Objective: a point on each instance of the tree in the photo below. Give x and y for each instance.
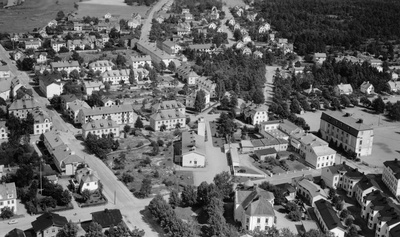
(145, 189)
(332, 193)
(95, 230)
(352, 232)
(132, 76)
(188, 196)
(305, 105)
(233, 101)
(378, 105)
(138, 123)
(322, 184)
(153, 75)
(344, 100)
(174, 199)
(127, 129)
(163, 127)
(120, 61)
(295, 106)
(225, 103)
(348, 221)
(107, 86)
(172, 66)
(6, 213)
(224, 184)
(60, 16)
(74, 74)
(85, 195)
(295, 215)
(65, 198)
(291, 206)
(344, 214)
(26, 64)
(200, 101)
(216, 220)
(258, 97)
(315, 233)
(69, 230)
(394, 111)
(127, 178)
(339, 206)
(162, 67)
(76, 57)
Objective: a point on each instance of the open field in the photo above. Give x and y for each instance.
(386, 134)
(98, 8)
(232, 3)
(32, 14)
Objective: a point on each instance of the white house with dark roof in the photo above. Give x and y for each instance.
(343, 89)
(51, 87)
(67, 66)
(367, 88)
(363, 187)
(87, 179)
(8, 196)
(394, 86)
(391, 176)
(74, 107)
(328, 220)
(192, 152)
(255, 114)
(186, 73)
(48, 224)
(342, 176)
(350, 133)
(319, 58)
(254, 208)
(100, 127)
(42, 121)
(315, 151)
(206, 84)
(21, 108)
(101, 65)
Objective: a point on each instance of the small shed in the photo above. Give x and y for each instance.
(266, 153)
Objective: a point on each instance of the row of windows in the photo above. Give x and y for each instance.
(8, 202)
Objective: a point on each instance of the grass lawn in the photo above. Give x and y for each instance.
(217, 141)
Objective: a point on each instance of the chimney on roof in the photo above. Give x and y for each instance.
(360, 121)
(346, 115)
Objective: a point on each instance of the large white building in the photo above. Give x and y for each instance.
(363, 187)
(100, 127)
(169, 114)
(256, 114)
(87, 179)
(350, 133)
(141, 61)
(121, 114)
(8, 196)
(67, 66)
(341, 176)
(314, 150)
(193, 150)
(391, 176)
(116, 76)
(101, 65)
(327, 218)
(51, 87)
(254, 208)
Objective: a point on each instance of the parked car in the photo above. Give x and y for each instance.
(14, 221)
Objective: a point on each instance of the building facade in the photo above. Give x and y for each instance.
(100, 127)
(391, 176)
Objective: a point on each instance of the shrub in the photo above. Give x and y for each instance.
(127, 178)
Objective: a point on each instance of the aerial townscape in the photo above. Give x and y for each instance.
(185, 118)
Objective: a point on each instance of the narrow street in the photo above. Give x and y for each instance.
(147, 23)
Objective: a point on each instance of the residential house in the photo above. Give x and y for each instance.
(65, 99)
(101, 65)
(41, 57)
(53, 139)
(246, 39)
(367, 88)
(107, 218)
(263, 154)
(42, 121)
(255, 114)
(343, 89)
(107, 102)
(394, 86)
(231, 22)
(310, 191)
(257, 54)
(191, 99)
(391, 176)
(32, 43)
(140, 61)
(115, 77)
(101, 127)
(348, 132)
(8, 196)
(319, 58)
(342, 176)
(191, 152)
(67, 66)
(48, 224)
(73, 109)
(186, 73)
(246, 146)
(135, 21)
(314, 150)
(246, 51)
(264, 28)
(78, 26)
(5, 72)
(51, 87)
(168, 114)
(3, 131)
(82, 44)
(58, 44)
(212, 25)
(208, 48)
(207, 85)
(328, 220)
(16, 56)
(188, 17)
(254, 208)
(66, 160)
(271, 142)
(90, 86)
(20, 108)
(170, 47)
(87, 179)
(121, 114)
(16, 233)
(363, 187)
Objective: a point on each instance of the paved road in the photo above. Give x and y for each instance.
(269, 87)
(228, 15)
(145, 31)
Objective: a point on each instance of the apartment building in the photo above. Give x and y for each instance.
(206, 84)
(116, 76)
(310, 191)
(208, 48)
(42, 121)
(8, 196)
(67, 66)
(365, 186)
(341, 176)
(192, 152)
(121, 114)
(328, 220)
(48, 224)
(140, 61)
(156, 54)
(58, 44)
(186, 73)
(350, 133)
(170, 47)
(170, 114)
(20, 108)
(51, 87)
(314, 150)
(282, 129)
(391, 176)
(100, 127)
(101, 65)
(255, 114)
(74, 107)
(90, 86)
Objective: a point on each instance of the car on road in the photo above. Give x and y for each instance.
(14, 221)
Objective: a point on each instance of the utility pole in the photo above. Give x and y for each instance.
(115, 197)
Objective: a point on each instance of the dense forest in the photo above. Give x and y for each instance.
(232, 70)
(314, 24)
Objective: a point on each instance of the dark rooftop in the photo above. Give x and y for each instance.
(328, 215)
(47, 220)
(107, 217)
(394, 165)
(345, 122)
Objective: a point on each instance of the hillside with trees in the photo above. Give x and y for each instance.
(314, 24)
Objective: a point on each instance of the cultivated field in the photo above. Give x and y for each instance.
(98, 8)
(32, 14)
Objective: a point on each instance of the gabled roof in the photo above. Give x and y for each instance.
(23, 104)
(167, 115)
(318, 55)
(68, 98)
(47, 220)
(64, 154)
(267, 151)
(115, 73)
(345, 88)
(365, 85)
(394, 85)
(7, 189)
(260, 207)
(16, 233)
(100, 124)
(328, 215)
(312, 188)
(64, 64)
(167, 105)
(93, 84)
(107, 217)
(86, 175)
(367, 182)
(106, 110)
(192, 142)
(101, 63)
(394, 165)
(40, 116)
(140, 58)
